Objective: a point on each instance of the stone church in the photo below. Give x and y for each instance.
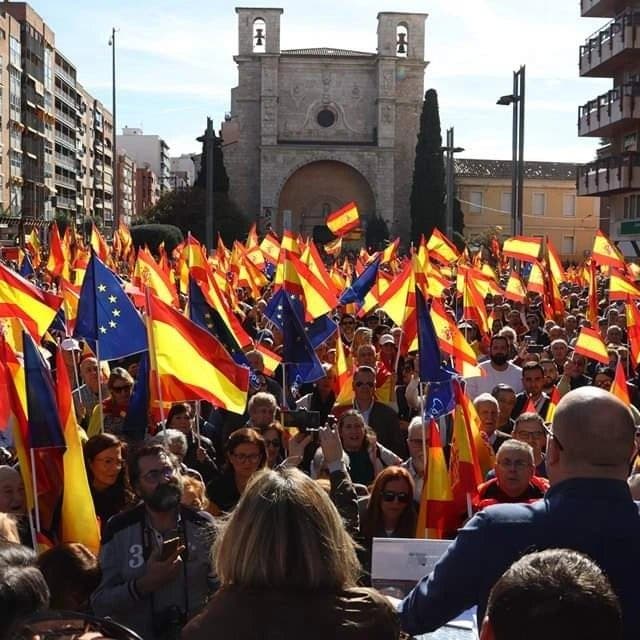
(311, 129)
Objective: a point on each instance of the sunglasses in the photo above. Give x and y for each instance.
(402, 497)
(364, 384)
(126, 387)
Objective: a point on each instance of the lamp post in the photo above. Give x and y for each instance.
(450, 149)
(114, 165)
(209, 138)
(517, 100)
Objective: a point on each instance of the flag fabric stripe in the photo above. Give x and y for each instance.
(590, 345)
(343, 220)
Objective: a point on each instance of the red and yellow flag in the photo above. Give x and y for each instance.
(633, 330)
(619, 385)
(189, 363)
(333, 248)
(522, 248)
(515, 289)
(535, 284)
(343, 220)
(590, 345)
(436, 517)
(603, 252)
(553, 403)
(440, 248)
(147, 273)
(620, 288)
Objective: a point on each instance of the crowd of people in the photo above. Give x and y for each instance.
(215, 524)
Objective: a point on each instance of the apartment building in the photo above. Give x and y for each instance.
(147, 188)
(613, 51)
(53, 136)
(126, 180)
(183, 171)
(549, 202)
(149, 150)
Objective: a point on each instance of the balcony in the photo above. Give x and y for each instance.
(69, 120)
(611, 175)
(615, 45)
(68, 162)
(65, 203)
(68, 78)
(70, 183)
(66, 140)
(601, 8)
(611, 112)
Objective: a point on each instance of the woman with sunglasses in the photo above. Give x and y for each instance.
(114, 409)
(245, 453)
(274, 439)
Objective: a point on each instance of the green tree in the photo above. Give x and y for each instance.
(185, 208)
(377, 235)
(428, 189)
(152, 235)
(458, 217)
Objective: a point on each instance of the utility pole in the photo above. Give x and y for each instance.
(114, 164)
(209, 138)
(450, 149)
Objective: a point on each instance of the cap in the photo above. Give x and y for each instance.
(69, 344)
(386, 338)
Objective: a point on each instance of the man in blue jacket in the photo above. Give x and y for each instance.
(588, 508)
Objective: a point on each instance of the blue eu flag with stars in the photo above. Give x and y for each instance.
(107, 319)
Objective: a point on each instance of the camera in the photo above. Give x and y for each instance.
(168, 623)
(303, 419)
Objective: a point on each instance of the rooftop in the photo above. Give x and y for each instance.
(471, 168)
(326, 51)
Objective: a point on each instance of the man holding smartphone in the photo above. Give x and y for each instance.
(155, 558)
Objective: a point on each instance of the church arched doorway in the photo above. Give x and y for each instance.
(318, 188)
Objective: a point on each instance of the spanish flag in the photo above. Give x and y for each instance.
(78, 516)
(440, 248)
(620, 288)
(147, 273)
(522, 248)
(333, 248)
(20, 299)
(590, 345)
(619, 385)
(189, 363)
(603, 252)
(536, 279)
(515, 289)
(436, 517)
(633, 330)
(551, 409)
(343, 220)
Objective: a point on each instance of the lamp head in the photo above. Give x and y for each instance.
(506, 100)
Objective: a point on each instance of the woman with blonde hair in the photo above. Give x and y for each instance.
(287, 565)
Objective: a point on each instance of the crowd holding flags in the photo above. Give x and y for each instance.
(180, 313)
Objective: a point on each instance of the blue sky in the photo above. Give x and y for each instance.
(175, 62)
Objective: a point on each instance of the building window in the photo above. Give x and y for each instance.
(505, 202)
(631, 207)
(569, 205)
(15, 53)
(568, 248)
(476, 200)
(539, 204)
(326, 118)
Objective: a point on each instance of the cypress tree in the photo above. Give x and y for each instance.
(428, 189)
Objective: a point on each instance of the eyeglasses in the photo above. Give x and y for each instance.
(246, 457)
(155, 475)
(126, 387)
(347, 323)
(519, 465)
(402, 497)
(552, 436)
(272, 443)
(529, 435)
(364, 384)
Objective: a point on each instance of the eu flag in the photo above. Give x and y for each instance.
(107, 319)
(362, 285)
(26, 268)
(44, 426)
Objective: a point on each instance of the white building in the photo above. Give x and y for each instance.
(147, 149)
(183, 166)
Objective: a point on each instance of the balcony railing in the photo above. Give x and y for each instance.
(66, 140)
(609, 175)
(68, 162)
(65, 203)
(600, 8)
(69, 79)
(69, 120)
(610, 112)
(617, 43)
(67, 182)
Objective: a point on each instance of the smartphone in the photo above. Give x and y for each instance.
(169, 547)
(535, 348)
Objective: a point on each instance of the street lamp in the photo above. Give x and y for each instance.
(114, 164)
(517, 99)
(450, 149)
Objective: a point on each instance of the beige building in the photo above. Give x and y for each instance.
(549, 200)
(311, 129)
(613, 51)
(147, 189)
(126, 177)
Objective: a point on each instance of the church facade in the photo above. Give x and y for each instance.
(312, 129)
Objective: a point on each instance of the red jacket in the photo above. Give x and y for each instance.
(490, 493)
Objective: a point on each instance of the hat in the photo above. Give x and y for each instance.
(69, 344)
(386, 338)
(465, 325)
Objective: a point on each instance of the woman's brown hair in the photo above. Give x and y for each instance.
(373, 524)
(246, 436)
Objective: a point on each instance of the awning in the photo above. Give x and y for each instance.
(629, 248)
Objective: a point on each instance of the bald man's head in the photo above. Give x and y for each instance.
(595, 434)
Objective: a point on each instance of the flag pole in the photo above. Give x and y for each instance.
(152, 350)
(421, 396)
(99, 387)
(36, 506)
(198, 413)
